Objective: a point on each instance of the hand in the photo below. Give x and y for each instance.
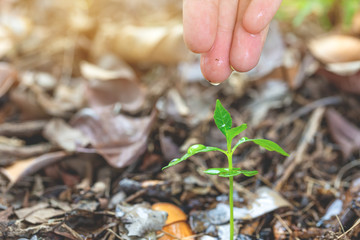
(227, 33)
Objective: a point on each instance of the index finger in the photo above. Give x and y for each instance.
(200, 19)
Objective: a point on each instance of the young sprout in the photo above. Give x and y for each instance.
(223, 122)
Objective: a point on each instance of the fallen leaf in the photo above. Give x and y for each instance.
(7, 77)
(58, 132)
(159, 44)
(344, 133)
(5, 214)
(38, 214)
(118, 138)
(107, 87)
(26, 167)
(64, 101)
(26, 102)
(347, 83)
(6, 41)
(23, 212)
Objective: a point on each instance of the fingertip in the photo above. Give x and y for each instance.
(246, 49)
(215, 70)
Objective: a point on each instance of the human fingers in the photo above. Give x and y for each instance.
(259, 14)
(200, 19)
(215, 64)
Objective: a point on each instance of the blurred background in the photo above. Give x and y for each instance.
(94, 93)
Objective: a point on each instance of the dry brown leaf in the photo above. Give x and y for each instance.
(58, 132)
(118, 138)
(26, 102)
(108, 87)
(6, 42)
(39, 213)
(7, 77)
(65, 100)
(344, 133)
(341, 56)
(26, 167)
(157, 44)
(34, 100)
(335, 48)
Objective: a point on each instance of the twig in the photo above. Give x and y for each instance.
(340, 223)
(307, 136)
(277, 216)
(311, 106)
(22, 129)
(72, 232)
(343, 170)
(114, 233)
(135, 195)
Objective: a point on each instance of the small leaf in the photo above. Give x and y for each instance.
(194, 149)
(213, 171)
(249, 173)
(230, 173)
(222, 118)
(269, 145)
(233, 132)
(226, 172)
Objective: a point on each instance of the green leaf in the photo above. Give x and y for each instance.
(222, 118)
(269, 145)
(233, 132)
(213, 171)
(194, 149)
(230, 173)
(226, 172)
(249, 173)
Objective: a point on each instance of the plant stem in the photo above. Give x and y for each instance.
(231, 191)
(231, 208)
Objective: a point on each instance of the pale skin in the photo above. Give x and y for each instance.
(227, 33)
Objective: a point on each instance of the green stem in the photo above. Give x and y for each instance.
(231, 191)
(231, 208)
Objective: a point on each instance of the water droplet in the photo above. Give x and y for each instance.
(195, 148)
(215, 83)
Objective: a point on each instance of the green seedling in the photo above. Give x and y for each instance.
(223, 121)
